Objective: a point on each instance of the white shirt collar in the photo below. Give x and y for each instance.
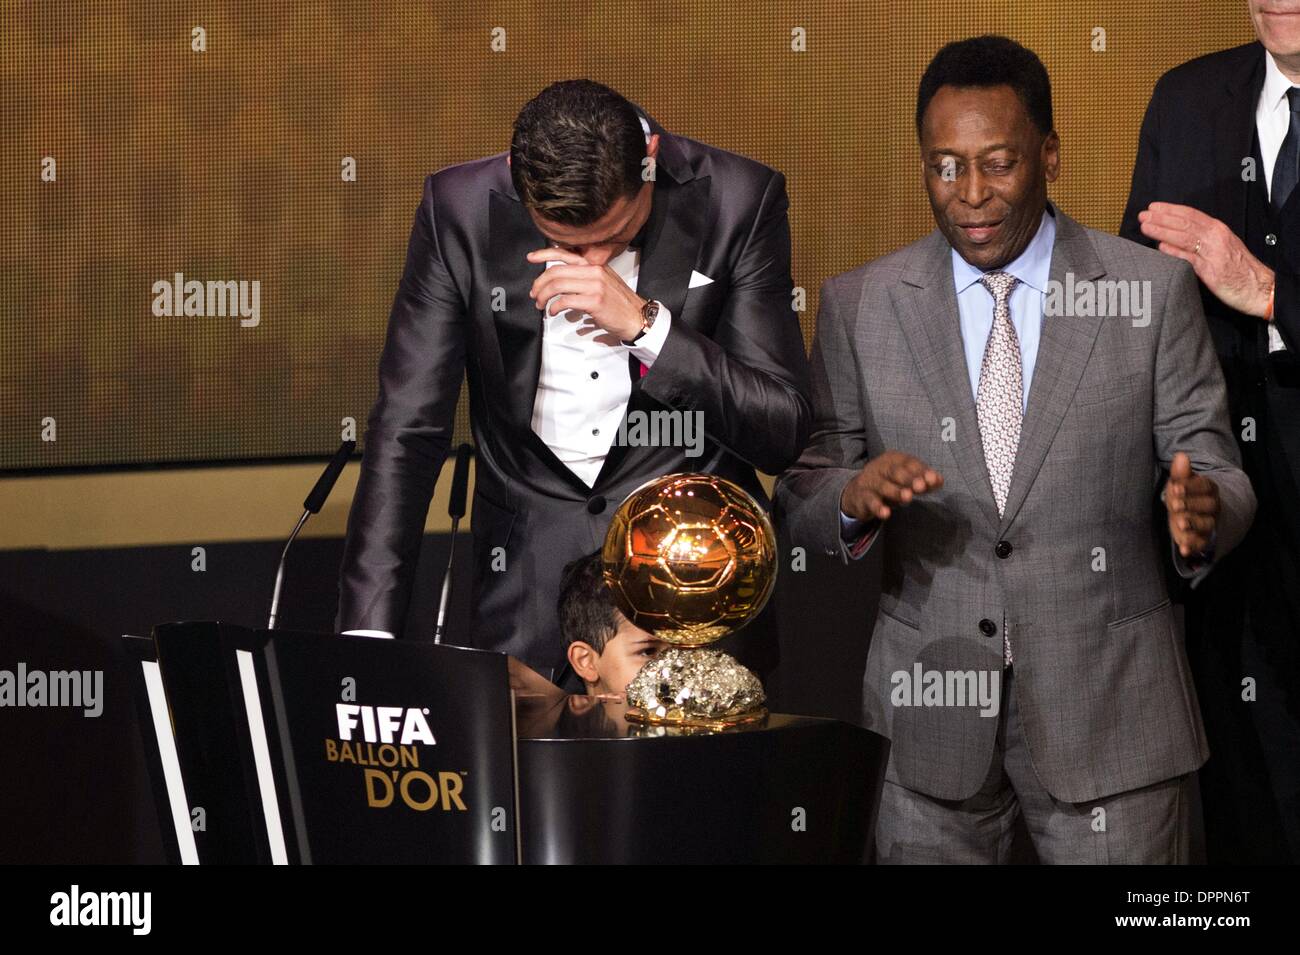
(1276, 84)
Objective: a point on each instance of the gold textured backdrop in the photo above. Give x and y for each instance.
(225, 165)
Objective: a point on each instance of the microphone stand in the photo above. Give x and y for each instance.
(455, 510)
(312, 505)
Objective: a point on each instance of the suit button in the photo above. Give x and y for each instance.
(596, 505)
(1270, 239)
(1003, 549)
(988, 627)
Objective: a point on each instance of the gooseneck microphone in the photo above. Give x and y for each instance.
(455, 510)
(312, 505)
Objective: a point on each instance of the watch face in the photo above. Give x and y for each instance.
(650, 313)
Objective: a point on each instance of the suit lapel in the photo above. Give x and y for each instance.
(1064, 347)
(675, 226)
(672, 244)
(933, 331)
(669, 253)
(512, 235)
(1234, 139)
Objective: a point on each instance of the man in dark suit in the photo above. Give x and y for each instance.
(620, 301)
(1214, 184)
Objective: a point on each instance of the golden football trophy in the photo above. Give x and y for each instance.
(691, 558)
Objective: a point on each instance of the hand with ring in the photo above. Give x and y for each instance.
(1219, 257)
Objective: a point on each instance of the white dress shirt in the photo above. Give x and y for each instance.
(1272, 119)
(584, 382)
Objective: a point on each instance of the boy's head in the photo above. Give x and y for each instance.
(605, 648)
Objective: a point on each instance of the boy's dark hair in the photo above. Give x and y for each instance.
(586, 607)
(990, 61)
(577, 146)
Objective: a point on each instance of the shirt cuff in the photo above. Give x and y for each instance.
(857, 534)
(1192, 566)
(648, 346)
(1275, 342)
(383, 634)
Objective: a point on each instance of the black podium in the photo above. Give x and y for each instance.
(305, 747)
(595, 788)
(298, 747)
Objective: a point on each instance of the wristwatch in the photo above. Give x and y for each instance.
(649, 312)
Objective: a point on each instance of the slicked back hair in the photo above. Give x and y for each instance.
(577, 147)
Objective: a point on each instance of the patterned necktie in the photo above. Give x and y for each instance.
(1286, 169)
(999, 400)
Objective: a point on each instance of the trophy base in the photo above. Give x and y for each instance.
(718, 723)
(695, 688)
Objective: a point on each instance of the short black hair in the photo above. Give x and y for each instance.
(990, 61)
(577, 147)
(586, 605)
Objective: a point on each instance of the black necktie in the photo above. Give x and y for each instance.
(1287, 168)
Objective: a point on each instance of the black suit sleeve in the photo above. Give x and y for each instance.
(1144, 189)
(751, 378)
(408, 434)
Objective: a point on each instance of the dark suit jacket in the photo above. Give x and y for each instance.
(1198, 131)
(734, 352)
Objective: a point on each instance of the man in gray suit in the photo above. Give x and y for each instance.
(1003, 406)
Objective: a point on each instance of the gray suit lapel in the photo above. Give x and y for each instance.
(931, 325)
(1063, 351)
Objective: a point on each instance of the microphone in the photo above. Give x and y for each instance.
(323, 487)
(455, 510)
(312, 505)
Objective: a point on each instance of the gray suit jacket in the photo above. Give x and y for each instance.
(1102, 678)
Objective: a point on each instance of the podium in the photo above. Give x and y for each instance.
(296, 747)
(300, 747)
(595, 788)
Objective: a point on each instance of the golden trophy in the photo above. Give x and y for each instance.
(691, 558)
